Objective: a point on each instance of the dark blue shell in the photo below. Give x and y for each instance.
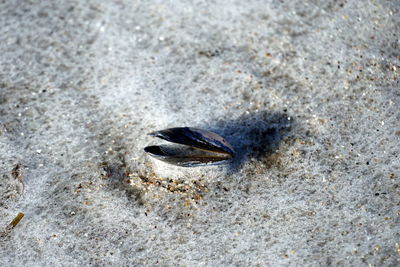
(184, 159)
(195, 138)
(196, 147)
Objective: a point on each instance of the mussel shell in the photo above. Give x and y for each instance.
(193, 147)
(194, 137)
(185, 156)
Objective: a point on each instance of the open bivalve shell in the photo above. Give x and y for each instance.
(192, 147)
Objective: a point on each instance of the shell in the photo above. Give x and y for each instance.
(192, 147)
